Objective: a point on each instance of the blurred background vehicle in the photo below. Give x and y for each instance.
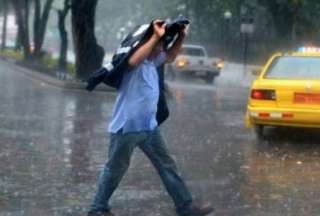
(193, 60)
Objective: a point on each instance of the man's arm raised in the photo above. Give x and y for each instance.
(175, 48)
(144, 51)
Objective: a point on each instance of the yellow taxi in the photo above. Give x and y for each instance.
(286, 92)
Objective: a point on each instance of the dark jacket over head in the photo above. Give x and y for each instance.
(112, 73)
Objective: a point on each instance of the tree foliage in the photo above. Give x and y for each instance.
(41, 16)
(277, 23)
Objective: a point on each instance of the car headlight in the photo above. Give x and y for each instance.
(181, 62)
(219, 63)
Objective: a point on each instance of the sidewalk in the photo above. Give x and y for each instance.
(42, 77)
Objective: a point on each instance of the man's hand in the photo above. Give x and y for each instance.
(144, 51)
(184, 31)
(159, 28)
(175, 48)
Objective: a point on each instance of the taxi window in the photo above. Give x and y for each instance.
(294, 67)
(192, 51)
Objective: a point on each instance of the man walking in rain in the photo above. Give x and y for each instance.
(134, 124)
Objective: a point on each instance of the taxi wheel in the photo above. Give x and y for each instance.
(258, 129)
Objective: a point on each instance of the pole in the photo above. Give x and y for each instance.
(226, 38)
(245, 53)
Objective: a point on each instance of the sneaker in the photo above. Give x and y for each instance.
(100, 214)
(200, 210)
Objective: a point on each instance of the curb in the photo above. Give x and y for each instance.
(52, 80)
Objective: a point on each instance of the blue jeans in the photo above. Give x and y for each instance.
(120, 151)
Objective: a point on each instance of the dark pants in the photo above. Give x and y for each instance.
(120, 151)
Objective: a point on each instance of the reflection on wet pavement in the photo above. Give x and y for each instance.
(283, 173)
(54, 142)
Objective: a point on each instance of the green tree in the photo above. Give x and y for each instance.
(22, 9)
(62, 14)
(5, 7)
(89, 54)
(284, 14)
(294, 20)
(307, 24)
(40, 25)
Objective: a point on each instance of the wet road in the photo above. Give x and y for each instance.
(53, 145)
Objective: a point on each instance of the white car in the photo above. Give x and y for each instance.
(193, 60)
